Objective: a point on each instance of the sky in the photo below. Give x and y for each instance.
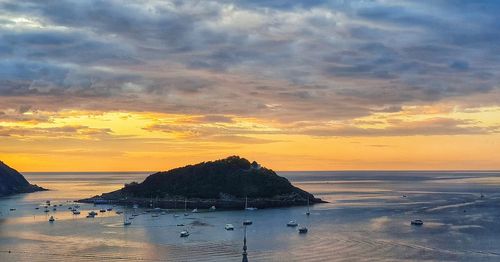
(295, 85)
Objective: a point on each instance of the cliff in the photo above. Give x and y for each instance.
(12, 182)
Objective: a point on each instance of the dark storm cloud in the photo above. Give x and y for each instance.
(250, 58)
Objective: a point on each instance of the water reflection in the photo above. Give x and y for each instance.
(367, 219)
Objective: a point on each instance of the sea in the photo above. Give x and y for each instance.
(367, 218)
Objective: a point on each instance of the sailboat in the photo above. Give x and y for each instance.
(125, 221)
(246, 205)
(308, 211)
(51, 219)
(185, 208)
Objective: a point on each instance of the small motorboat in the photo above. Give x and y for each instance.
(186, 214)
(291, 223)
(247, 222)
(118, 212)
(76, 212)
(102, 210)
(184, 233)
(175, 215)
(180, 225)
(127, 223)
(154, 215)
(229, 227)
(12, 209)
(195, 210)
(54, 209)
(51, 219)
(303, 230)
(130, 218)
(109, 209)
(212, 208)
(46, 211)
(37, 208)
(70, 208)
(92, 213)
(417, 222)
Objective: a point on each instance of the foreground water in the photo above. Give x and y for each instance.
(367, 219)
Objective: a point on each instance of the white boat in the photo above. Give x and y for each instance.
(194, 210)
(184, 233)
(154, 215)
(212, 208)
(125, 221)
(76, 212)
(229, 227)
(291, 223)
(247, 207)
(417, 222)
(308, 211)
(175, 215)
(303, 230)
(51, 219)
(247, 222)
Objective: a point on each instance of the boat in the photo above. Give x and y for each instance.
(184, 233)
(482, 196)
(417, 222)
(76, 206)
(51, 219)
(154, 215)
(308, 211)
(46, 210)
(70, 208)
(37, 208)
(212, 208)
(109, 209)
(195, 210)
(118, 212)
(76, 212)
(125, 221)
(175, 215)
(247, 207)
(180, 225)
(92, 213)
(102, 210)
(185, 208)
(54, 209)
(303, 230)
(291, 223)
(229, 227)
(12, 209)
(247, 222)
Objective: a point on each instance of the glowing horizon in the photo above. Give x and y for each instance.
(299, 86)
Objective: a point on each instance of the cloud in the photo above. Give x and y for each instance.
(428, 127)
(277, 60)
(69, 131)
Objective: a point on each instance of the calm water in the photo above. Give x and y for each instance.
(367, 219)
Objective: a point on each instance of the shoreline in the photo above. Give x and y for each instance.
(178, 203)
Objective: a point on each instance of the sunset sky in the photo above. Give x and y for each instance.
(295, 85)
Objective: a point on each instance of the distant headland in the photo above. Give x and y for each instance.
(230, 183)
(12, 182)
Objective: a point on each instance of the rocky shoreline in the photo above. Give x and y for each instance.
(191, 203)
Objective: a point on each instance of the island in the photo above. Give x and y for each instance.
(12, 182)
(230, 183)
